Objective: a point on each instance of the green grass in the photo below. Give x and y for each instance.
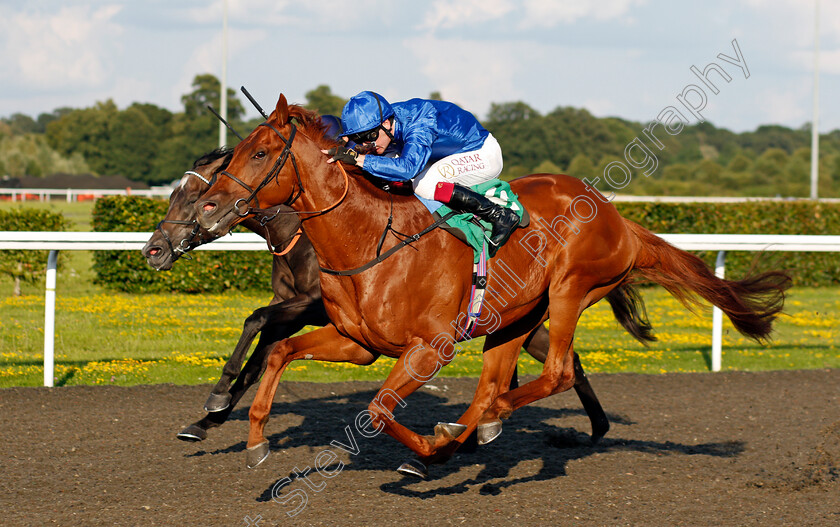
(115, 338)
(103, 337)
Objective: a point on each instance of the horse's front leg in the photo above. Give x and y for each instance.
(281, 323)
(325, 344)
(297, 311)
(250, 375)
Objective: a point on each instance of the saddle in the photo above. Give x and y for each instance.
(461, 235)
(464, 226)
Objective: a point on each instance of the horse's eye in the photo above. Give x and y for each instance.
(259, 155)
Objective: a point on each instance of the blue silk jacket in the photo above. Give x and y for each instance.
(426, 131)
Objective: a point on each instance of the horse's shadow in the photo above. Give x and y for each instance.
(555, 447)
(530, 434)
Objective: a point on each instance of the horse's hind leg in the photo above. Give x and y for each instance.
(498, 365)
(600, 423)
(537, 346)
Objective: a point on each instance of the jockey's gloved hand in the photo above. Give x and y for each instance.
(345, 155)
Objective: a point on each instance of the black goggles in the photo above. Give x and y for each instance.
(365, 137)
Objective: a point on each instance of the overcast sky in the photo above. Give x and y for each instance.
(625, 58)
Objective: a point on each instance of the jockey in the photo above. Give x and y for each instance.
(443, 150)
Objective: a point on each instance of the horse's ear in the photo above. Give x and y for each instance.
(282, 109)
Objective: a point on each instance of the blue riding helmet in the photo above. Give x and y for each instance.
(364, 112)
(333, 131)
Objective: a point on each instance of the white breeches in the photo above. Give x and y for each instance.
(466, 169)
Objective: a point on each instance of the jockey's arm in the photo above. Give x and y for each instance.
(415, 154)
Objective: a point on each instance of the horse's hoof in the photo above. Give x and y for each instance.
(450, 430)
(192, 433)
(487, 432)
(599, 431)
(257, 454)
(217, 402)
(414, 468)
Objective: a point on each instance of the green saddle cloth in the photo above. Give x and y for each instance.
(474, 230)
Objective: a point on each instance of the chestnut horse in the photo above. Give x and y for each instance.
(576, 249)
(297, 297)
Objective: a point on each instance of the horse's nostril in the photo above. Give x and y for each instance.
(154, 251)
(209, 206)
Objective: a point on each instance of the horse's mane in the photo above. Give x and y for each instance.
(211, 157)
(309, 123)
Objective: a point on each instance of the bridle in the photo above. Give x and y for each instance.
(187, 243)
(266, 215)
(285, 154)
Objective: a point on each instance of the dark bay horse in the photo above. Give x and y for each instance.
(297, 297)
(576, 249)
(294, 280)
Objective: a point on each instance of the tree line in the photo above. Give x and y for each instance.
(148, 143)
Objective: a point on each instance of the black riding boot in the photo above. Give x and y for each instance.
(504, 221)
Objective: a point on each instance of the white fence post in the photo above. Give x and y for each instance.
(717, 319)
(49, 321)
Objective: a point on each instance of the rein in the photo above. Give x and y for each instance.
(285, 155)
(380, 257)
(289, 246)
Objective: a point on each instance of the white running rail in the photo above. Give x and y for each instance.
(134, 241)
(79, 194)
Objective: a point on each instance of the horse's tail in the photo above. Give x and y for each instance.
(629, 309)
(751, 304)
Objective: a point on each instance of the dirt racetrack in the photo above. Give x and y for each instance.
(684, 449)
